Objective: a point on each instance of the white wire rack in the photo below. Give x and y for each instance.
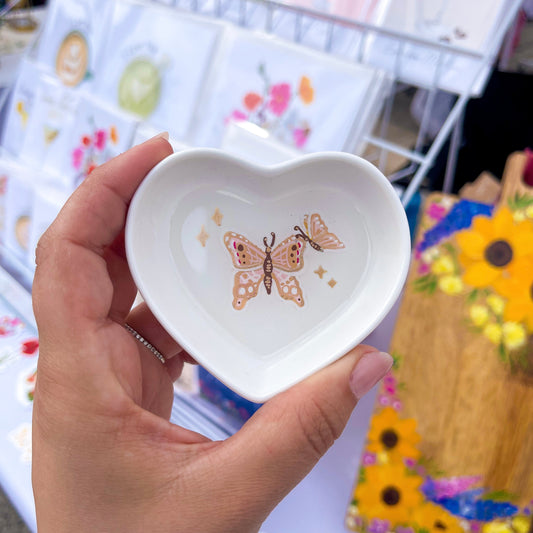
(300, 22)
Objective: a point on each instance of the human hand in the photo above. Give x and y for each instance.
(105, 456)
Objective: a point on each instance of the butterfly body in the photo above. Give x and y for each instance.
(317, 234)
(271, 266)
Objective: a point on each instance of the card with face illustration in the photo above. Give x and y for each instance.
(155, 64)
(72, 39)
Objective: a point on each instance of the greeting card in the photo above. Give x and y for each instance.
(53, 116)
(20, 106)
(470, 25)
(18, 207)
(287, 90)
(155, 64)
(72, 39)
(99, 133)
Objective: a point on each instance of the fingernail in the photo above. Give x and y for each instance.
(162, 135)
(369, 370)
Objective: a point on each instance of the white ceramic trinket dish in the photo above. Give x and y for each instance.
(266, 275)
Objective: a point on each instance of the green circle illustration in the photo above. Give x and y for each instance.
(139, 89)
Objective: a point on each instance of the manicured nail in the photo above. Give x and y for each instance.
(369, 370)
(162, 135)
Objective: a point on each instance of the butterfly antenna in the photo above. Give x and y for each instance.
(301, 234)
(273, 239)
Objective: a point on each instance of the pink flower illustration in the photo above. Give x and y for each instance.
(300, 136)
(77, 157)
(368, 459)
(389, 380)
(436, 211)
(280, 95)
(423, 268)
(100, 138)
(384, 400)
(237, 116)
(397, 405)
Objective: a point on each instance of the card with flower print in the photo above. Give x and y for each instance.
(99, 133)
(449, 446)
(72, 39)
(155, 64)
(20, 106)
(53, 116)
(287, 90)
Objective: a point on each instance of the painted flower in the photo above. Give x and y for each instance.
(113, 134)
(497, 527)
(492, 246)
(379, 526)
(493, 332)
(391, 435)
(479, 314)
(368, 459)
(529, 211)
(496, 304)
(252, 100)
(451, 284)
(514, 335)
(300, 136)
(443, 265)
(86, 140)
(100, 138)
(436, 211)
(518, 289)
(77, 157)
(388, 493)
(280, 95)
(306, 91)
(435, 519)
(521, 524)
(237, 116)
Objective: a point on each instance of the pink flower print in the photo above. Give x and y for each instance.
(436, 211)
(423, 268)
(409, 463)
(280, 94)
(397, 405)
(77, 157)
(368, 459)
(237, 116)
(390, 389)
(389, 380)
(384, 400)
(100, 139)
(300, 136)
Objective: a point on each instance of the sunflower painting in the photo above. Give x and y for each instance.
(486, 256)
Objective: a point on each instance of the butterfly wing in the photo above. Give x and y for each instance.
(319, 233)
(243, 253)
(288, 255)
(246, 286)
(288, 287)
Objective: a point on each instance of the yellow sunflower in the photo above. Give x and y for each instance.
(492, 246)
(435, 519)
(518, 289)
(388, 493)
(391, 435)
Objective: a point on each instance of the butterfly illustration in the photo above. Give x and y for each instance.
(272, 264)
(317, 234)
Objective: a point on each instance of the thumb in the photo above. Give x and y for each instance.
(282, 442)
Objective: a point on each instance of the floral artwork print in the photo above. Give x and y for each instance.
(487, 257)
(400, 491)
(275, 109)
(92, 151)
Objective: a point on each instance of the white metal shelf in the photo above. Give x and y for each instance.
(241, 13)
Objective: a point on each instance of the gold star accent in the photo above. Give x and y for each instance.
(332, 283)
(320, 272)
(203, 236)
(217, 217)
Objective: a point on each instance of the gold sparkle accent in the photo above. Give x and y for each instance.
(320, 272)
(217, 217)
(203, 236)
(332, 283)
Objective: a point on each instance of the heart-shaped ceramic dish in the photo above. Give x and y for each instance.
(266, 275)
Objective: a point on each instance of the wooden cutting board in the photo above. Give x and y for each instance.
(450, 443)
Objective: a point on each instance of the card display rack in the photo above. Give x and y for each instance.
(300, 23)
